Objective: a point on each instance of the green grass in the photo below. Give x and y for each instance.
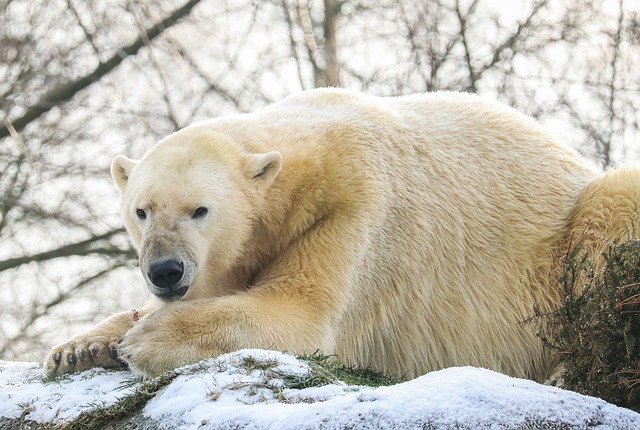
(328, 370)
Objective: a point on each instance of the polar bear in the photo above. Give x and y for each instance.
(407, 234)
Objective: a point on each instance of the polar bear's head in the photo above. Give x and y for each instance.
(188, 206)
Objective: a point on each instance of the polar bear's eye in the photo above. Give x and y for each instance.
(200, 212)
(141, 214)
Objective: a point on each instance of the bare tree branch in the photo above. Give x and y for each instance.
(463, 18)
(66, 91)
(38, 310)
(292, 42)
(511, 41)
(617, 40)
(89, 246)
(85, 30)
(211, 82)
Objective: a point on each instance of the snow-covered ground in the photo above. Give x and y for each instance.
(251, 389)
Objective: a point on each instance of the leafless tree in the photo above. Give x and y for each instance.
(83, 81)
(56, 240)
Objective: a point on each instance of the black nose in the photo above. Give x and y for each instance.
(166, 274)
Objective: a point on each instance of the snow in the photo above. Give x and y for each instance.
(252, 389)
(23, 388)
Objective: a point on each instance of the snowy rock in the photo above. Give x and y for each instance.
(256, 389)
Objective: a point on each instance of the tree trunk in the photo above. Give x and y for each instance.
(332, 68)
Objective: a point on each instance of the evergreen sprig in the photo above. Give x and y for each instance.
(596, 331)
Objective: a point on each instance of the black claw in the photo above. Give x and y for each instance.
(57, 357)
(113, 353)
(93, 350)
(120, 341)
(71, 359)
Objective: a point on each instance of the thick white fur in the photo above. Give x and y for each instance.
(407, 234)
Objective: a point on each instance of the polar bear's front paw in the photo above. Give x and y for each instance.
(82, 353)
(147, 354)
(161, 341)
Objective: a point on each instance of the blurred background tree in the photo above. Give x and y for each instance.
(83, 81)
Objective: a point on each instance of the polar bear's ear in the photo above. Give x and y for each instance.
(264, 167)
(120, 169)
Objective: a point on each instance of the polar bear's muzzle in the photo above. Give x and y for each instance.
(168, 279)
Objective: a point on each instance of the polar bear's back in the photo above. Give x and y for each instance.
(470, 201)
(458, 205)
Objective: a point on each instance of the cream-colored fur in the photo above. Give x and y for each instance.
(407, 234)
